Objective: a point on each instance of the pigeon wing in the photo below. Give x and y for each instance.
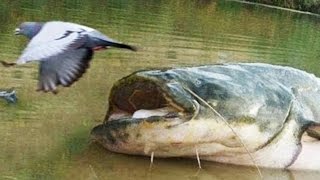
(63, 69)
(53, 39)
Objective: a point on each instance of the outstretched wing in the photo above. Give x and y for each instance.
(64, 69)
(54, 38)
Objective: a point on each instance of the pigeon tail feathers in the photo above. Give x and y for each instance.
(118, 45)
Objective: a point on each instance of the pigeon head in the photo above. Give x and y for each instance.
(29, 29)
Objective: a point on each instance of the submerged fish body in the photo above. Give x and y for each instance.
(267, 108)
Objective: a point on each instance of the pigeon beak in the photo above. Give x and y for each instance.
(17, 31)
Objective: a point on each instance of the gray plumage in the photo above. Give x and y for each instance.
(64, 50)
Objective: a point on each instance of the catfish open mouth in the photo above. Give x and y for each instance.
(139, 98)
(138, 104)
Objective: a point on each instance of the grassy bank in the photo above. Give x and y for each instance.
(302, 5)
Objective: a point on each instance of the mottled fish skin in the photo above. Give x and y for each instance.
(65, 48)
(248, 84)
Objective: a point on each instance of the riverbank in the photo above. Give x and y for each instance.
(312, 6)
(301, 5)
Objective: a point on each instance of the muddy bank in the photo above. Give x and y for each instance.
(302, 5)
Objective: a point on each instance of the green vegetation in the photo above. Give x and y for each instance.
(302, 5)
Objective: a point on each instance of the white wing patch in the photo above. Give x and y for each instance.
(53, 39)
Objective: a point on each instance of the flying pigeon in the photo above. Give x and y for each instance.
(63, 49)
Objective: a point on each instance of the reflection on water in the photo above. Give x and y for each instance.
(45, 136)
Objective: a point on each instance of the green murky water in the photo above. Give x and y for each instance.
(46, 136)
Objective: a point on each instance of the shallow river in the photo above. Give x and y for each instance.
(46, 136)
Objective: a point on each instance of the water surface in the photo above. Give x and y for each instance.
(46, 136)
